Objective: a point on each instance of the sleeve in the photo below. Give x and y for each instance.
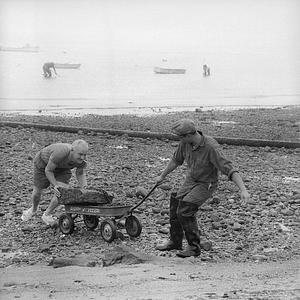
(178, 155)
(221, 163)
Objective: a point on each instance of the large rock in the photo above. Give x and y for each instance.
(124, 255)
(77, 196)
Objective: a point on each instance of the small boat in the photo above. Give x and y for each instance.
(159, 70)
(66, 66)
(26, 48)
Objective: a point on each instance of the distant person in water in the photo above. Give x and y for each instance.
(47, 69)
(206, 70)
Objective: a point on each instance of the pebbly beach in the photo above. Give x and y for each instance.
(278, 123)
(266, 229)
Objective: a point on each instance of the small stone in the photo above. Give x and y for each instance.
(237, 226)
(141, 192)
(206, 245)
(162, 222)
(129, 194)
(283, 228)
(120, 235)
(45, 248)
(27, 228)
(18, 212)
(268, 250)
(215, 200)
(216, 225)
(215, 218)
(165, 187)
(206, 208)
(286, 212)
(164, 230)
(272, 213)
(128, 167)
(164, 212)
(251, 202)
(156, 210)
(259, 257)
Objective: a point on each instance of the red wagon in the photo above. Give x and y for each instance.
(115, 217)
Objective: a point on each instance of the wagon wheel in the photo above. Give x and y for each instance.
(66, 224)
(133, 226)
(108, 230)
(90, 221)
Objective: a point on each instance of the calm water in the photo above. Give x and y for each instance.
(252, 50)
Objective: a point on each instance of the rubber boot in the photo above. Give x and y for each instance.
(176, 232)
(187, 217)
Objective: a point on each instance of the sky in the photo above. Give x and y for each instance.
(181, 24)
(252, 46)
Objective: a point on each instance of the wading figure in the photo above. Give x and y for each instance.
(203, 159)
(206, 70)
(52, 165)
(47, 69)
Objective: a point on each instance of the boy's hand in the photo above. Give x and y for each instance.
(159, 180)
(56, 191)
(245, 196)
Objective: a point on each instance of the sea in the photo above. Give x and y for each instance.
(251, 47)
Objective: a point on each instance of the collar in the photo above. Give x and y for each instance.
(202, 142)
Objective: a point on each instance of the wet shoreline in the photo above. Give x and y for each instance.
(141, 111)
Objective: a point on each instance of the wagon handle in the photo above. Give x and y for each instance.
(149, 193)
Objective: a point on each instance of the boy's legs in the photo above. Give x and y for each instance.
(187, 217)
(54, 201)
(62, 180)
(187, 210)
(176, 232)
(47, 217)
(53, 204)
(35, 197)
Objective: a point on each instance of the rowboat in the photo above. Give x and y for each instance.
(25, 48)
(159, 70)
(66, 66)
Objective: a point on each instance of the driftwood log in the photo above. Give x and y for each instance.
(86, 197)
(153, 135)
